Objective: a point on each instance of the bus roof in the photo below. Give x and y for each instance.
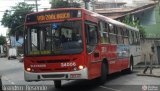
(99, 16)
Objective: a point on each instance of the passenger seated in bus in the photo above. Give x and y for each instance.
(74, 37)
(63, 39)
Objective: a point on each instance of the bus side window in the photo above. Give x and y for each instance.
(120, 35)
(104, 28)
(131, 37)
(91, 34)
(138, 38)
(112, 34)
(125, 36)
(135, 38)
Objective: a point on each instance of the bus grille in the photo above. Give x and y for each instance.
(56, 69)
(53, 76)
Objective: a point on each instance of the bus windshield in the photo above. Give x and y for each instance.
(54, 38)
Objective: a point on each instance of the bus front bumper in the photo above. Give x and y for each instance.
(80, 74)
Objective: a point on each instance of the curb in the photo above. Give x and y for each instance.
(150, 75)
(141, 66)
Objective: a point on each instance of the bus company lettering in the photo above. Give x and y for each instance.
(48, 17)
(40, 65)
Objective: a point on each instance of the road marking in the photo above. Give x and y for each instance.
(109, 88)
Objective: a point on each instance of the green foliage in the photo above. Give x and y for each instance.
(142, 31)
(2, 40)
(14, 18)
(63, 4)
(134, 23)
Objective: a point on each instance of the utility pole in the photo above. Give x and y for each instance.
(86, 4)
(93, 5)
(36, 5)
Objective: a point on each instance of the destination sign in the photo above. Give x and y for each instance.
(48, 17)
(53, 15)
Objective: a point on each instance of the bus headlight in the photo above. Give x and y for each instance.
(80, 67)
(28, 69)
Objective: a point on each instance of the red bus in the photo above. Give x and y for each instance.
(73, 44)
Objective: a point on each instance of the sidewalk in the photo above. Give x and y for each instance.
(143, 66)
(155, 72)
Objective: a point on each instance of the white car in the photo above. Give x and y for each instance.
(12, 53)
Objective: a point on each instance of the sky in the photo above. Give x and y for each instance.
(6, 4)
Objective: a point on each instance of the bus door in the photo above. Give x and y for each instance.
(93, 50)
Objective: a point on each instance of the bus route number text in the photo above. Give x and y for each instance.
(69, 64)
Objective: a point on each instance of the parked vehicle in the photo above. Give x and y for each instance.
(12, 53)
(2, 54)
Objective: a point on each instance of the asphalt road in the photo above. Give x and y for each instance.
(12, 75)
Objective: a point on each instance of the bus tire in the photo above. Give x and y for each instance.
(103, 77)
(130, 69)
(57, 83)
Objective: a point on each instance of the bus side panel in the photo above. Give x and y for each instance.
(123, 56)
(95, 62)
(135, 51)
(109, 53)
(112, 58)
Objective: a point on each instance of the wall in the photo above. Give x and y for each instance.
(146, 45)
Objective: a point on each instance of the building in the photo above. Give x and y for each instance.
(147, 11)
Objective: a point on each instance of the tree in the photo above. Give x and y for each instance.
(64, 4)
(134, 23)
(2, 40)
(14, 18)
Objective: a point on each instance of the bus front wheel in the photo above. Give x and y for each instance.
(57, 83)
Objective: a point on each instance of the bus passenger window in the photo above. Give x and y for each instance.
(104, 28)
(120, 35)
(112, 34)
(125, 36)
(130, 37)
(138, 39)
(91, 35)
